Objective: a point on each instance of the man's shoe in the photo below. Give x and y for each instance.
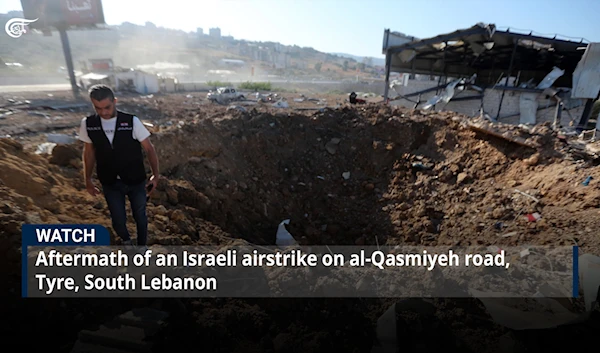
(129, 247)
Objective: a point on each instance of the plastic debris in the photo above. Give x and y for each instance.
(45, 148)
(281, 104)
(283, 237)
(587, 181)
(494, 249)
(533, 217)
(421, 166)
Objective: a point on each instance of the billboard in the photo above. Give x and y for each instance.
(56, 13)
(391, 39)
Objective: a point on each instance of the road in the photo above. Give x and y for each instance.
(35, 88)
(66, 86)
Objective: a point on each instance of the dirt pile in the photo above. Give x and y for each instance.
(350, 176)
(366, 176)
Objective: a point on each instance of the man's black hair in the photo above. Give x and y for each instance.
(101, 92)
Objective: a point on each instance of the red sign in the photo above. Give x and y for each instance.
(53, 13)
(82, 12)
(101, 64)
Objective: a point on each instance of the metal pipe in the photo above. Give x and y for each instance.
(510, 67)
(557, 115)
(388, 62)
(443, 71)
(68, 58)
(585, 116)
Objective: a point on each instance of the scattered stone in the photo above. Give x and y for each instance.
(461, 177)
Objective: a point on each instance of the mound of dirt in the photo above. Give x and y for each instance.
(349, 176)
(366, 176)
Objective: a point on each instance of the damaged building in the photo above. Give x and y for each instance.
(504, 76)
(125, 79)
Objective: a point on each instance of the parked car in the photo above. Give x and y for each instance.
(225, 94)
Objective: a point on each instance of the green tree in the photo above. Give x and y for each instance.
(345, 65)
(318, 66)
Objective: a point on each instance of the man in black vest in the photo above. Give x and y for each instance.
(113, 143)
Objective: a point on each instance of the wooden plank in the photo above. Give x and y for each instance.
(515, 139)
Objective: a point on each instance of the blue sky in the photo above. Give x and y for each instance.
(352, 26)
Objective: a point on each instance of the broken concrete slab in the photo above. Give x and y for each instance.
(548, 313)
(386, 332)
(589, 274)
(146, 318)
(395, 333)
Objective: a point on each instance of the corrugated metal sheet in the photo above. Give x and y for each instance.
(586, 78)
(391, 39)
(528, 106)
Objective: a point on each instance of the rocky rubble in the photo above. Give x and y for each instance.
(365, 176)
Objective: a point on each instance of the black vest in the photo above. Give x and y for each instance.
(124, 158)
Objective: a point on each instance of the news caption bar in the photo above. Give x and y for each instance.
(77, 261)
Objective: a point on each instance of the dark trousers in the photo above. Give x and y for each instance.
(115, 198)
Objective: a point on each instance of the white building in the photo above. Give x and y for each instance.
(139, 81)
(215, 32)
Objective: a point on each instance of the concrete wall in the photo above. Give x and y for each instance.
(167, 84)
(491, 101)
(144, 83)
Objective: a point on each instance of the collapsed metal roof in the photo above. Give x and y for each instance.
(487, 52)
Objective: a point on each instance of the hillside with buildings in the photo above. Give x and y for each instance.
(189, 56)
